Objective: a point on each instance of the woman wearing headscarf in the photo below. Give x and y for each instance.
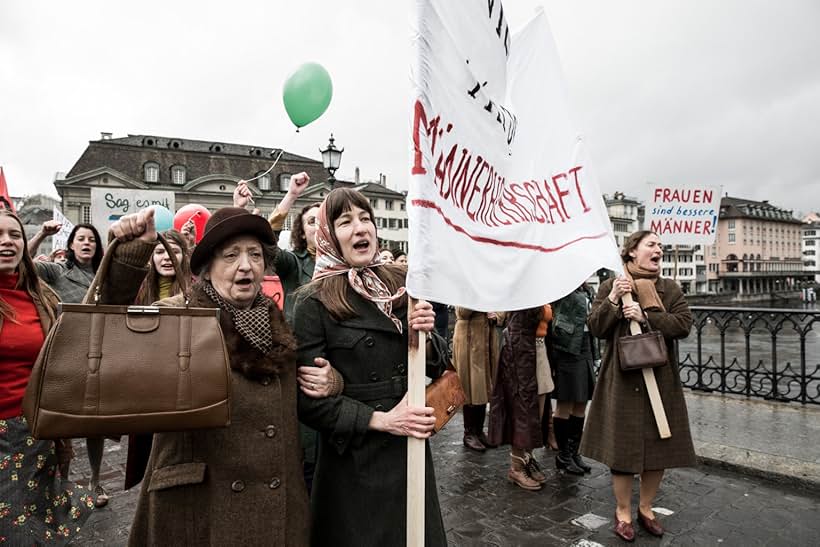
(38, 505)
(621, 430)
(354, 315)
(240, 484)
(71, 280)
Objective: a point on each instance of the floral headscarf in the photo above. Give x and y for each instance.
(330, 262)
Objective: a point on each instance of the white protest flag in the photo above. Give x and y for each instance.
(60, 240)
(505, 210)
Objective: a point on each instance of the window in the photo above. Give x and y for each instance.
(178, 174)
(391, 223)
(809, 233)
(731, 224)
(388, 204)
(264, 182)
(810, 243)
(731, 238)
(85, 214)
(809, 253)
(284, 182)
(374, 203)
(406, 224)
(151, 172)
(402, 206)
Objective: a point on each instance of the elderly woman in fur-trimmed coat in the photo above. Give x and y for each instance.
(239, 485)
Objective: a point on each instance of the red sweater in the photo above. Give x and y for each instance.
(20, 341)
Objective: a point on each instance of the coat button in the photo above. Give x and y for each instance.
(378, 407)
(340, 441)
(637, 389)
(369, 342)
(270, 431)
(374, 377)
(401, 368)
(237, 486)
(265, 381)
(274, 483)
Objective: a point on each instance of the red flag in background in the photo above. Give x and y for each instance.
(5, 198)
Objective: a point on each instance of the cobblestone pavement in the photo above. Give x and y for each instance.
(700, 506)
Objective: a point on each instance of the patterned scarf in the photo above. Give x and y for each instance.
(329, 262)
(253, 324)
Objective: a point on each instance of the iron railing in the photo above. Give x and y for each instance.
(756, 352)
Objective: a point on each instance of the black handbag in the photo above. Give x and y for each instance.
(645, 350)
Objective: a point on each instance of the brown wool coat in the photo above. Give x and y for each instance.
(239, 485)
(475, 354)
(620, 427)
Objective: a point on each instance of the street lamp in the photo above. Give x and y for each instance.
(331, 158)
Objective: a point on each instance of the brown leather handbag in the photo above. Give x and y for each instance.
(645, 350)
(446, 396)
(111, 370)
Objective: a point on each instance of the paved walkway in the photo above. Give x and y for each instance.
(708, 505)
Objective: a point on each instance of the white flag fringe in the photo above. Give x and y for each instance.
(504, 208)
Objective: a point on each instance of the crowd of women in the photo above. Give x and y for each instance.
(315, 452)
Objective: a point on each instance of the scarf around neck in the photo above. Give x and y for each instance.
(644, 282)
(330, 262)
(253, 324)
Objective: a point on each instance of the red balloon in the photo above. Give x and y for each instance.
(195, 212)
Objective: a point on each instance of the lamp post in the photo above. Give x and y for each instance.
(331, 158)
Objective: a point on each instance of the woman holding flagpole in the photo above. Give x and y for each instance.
(354, 315)
(621, 431)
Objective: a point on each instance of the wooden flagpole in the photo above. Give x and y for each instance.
(650, 383)
(416, 370)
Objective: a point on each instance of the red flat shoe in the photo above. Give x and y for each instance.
(624, 530)
(650, 525)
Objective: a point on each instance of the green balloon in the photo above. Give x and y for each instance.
(307, 93)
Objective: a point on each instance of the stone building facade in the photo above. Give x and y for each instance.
(758, 249)
(206, 173)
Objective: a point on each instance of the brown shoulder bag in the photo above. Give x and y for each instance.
(446, 396)
(111, 370)
(645, 350)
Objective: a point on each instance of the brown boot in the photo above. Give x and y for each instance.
(534, 469)
(471, 439)
(518, 474)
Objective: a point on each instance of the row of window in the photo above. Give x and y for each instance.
(683, 272)
(395, 223)
(179, 177)
(389, 204)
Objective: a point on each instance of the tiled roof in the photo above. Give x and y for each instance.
(746, 208)
(128, 155)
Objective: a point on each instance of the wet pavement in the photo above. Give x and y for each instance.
(707, 505)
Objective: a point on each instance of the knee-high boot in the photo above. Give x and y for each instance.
(576, 429)
(564, 458)
(480, 415)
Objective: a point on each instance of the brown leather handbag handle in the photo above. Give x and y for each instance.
(92, 296)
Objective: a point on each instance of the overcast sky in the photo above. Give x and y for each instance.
(724, 92)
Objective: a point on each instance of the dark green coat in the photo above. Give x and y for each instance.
(294, 268)
(359, 490)
(620, 429)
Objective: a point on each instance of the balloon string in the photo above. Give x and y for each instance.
(278, 157)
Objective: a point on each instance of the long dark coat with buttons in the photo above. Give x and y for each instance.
(239, 485)
(620, 428)
(359, 490)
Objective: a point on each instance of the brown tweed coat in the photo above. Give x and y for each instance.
(475, 354)
(621, 430)
(239, 485)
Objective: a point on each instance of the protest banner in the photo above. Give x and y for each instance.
(60, 240)
(502, 193)
(683, 214)
(504, 208)
(109, 204)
